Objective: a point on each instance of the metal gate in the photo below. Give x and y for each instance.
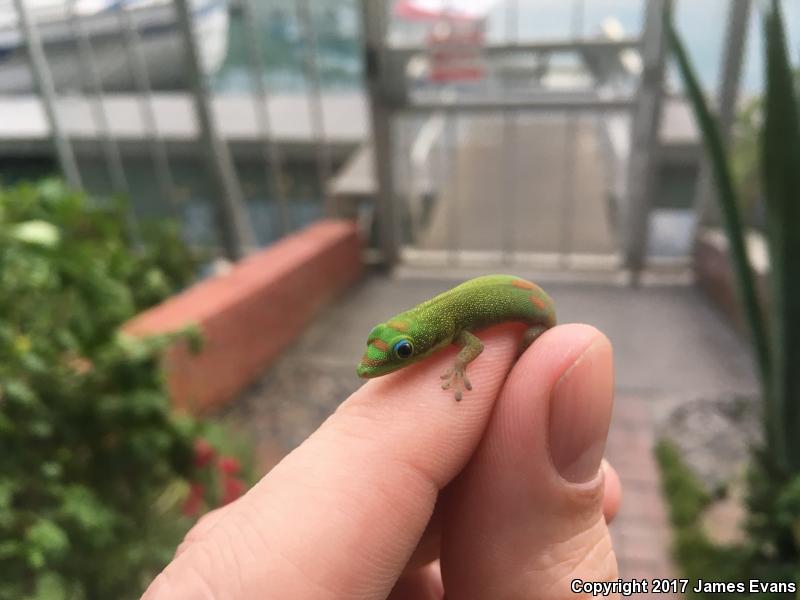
(522, 156)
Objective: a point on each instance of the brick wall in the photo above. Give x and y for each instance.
(251, 313)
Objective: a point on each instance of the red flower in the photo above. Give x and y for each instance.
(232, 488)
(229, 465)
(204, 453)
(194, 501)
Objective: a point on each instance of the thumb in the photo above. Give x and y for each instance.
(525, 518)
(341, 515)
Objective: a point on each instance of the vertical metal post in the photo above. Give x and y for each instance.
(643, 160)
(113, 158)
(578, 19)
(237, 235)
(727, 93)
(44, 81)
(510, 151)
(571, 132)
(453, 143)
(272, 154)
(315, 109)
(507, 220)
(374, 31)
(141, 78)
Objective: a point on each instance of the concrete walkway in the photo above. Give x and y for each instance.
(555, 195)
(670, 346)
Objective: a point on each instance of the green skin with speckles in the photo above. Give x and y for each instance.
(452, 318)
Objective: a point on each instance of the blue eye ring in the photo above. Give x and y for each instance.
(403, 349)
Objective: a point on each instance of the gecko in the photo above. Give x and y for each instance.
(452, 318)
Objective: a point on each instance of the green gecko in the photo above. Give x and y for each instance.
(452, 318)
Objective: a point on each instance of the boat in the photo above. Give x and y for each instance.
(122, 36)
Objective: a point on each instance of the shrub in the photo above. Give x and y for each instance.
(93, 463)
(773, 523)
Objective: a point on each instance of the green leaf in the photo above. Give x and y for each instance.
(18, 391)
(36, 558)
(7, 488)
(49, 586)
(718, 159)
(47, 537)
(37, 232)
(40, 428)
(52, 190)
(83, 507)
(52, 470)
(10, 549)
(195, 340)
(781, 172)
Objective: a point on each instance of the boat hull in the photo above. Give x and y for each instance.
(156, 35)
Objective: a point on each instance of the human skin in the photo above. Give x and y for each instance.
(405, 493)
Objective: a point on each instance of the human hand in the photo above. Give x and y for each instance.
(404, 493)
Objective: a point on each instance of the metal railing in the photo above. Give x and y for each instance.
(395, 108)
(632, 178)
(429, 143)
(233, 223)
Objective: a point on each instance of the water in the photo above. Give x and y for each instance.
(701, 23)
(193, 203)
(336, 25)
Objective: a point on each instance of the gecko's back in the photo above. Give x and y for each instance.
(454, 317)
(490, 299)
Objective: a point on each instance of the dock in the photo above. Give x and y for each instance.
(525, 184)
(537, 185)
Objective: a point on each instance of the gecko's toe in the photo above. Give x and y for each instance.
(455, 378)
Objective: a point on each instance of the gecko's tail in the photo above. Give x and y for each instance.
(530, 336)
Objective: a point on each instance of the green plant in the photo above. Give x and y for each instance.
(745, 155)
(774, 510)
(93, 462)
(697, 556)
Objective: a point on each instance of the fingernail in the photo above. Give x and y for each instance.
(580, 412)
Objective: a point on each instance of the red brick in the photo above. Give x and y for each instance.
(251, 313)
(642, 506)
(646, 570)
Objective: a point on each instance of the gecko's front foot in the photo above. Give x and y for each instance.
(456, 377)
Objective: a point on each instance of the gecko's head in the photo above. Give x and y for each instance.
(389, 347)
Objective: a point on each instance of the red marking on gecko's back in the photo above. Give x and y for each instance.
(538, 303)
(398, 325)
(380, 345)
(522, 284)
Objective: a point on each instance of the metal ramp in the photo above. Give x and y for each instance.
(509, 195)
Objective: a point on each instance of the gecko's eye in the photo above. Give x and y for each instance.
(403, 349)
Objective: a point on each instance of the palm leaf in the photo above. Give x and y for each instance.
(781, 184)
(723, 178)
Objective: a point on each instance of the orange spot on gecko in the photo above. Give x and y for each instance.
(538, 303)
(398, 325)
(380, 345)
(522, 284)
(371, 362)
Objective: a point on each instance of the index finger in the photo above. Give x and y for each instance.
(341, 515)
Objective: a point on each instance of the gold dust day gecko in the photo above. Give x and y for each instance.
(452, 318)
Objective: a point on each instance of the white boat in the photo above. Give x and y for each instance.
(112, 27)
